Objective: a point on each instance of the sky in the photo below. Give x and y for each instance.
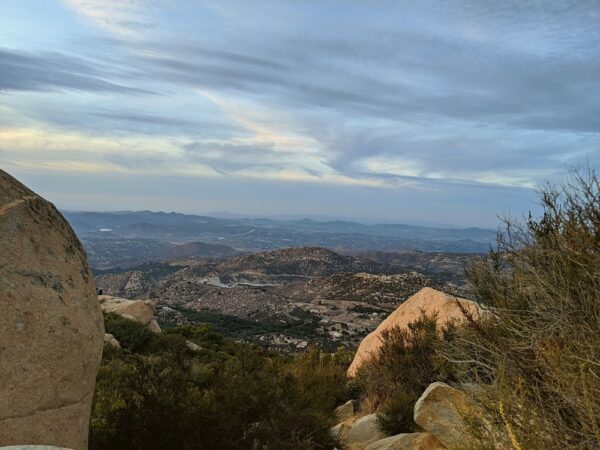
(447, 112)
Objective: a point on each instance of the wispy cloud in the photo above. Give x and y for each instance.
(402, 96)
(122, 18)
(52, 71)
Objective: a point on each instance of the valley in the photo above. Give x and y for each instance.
(281, 284)
(285, 299)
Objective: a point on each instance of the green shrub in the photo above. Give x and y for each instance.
(157, 394)
(131, 335)
(406, 363)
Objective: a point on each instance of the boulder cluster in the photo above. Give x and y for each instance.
(440, 412)
(441, 409)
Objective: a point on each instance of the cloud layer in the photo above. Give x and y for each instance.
(397, 96)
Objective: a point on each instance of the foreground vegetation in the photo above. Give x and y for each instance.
(539, 355)
(157, 393)
(535, 357)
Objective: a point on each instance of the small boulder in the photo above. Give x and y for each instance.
(345, 411)
(408, 441)
(340, 431)
(193, 346)
(363, 432)
(141, 311)
(111, 340)
(441, 411)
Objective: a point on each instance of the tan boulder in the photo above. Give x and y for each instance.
(340, 431)
(427, 300)
(408, 441)
(442, 411)
(357, 433)
(345, 411)
(111, 340)
(141, 311)
(51, 328)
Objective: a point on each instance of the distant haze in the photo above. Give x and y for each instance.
(445, 112)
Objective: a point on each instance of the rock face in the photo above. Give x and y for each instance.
(141, 311)
(428, 300)
(51, 328)
(441, 410)
(408, 441)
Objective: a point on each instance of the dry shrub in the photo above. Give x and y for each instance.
(540, 353)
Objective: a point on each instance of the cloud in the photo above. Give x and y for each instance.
(123, 18)
(53, 71)
(405, 94)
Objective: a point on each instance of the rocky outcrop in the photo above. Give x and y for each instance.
(357, 433)
(51, 328)
(442, 411)
(427, 300)
(408, 441)
(141, 311)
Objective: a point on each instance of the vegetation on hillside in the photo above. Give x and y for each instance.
(157, 393)
(539, 355)
(535, 358)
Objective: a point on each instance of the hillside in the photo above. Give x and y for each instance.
(281, 299)
(301, 261)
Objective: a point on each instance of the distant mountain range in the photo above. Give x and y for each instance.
(137, 236)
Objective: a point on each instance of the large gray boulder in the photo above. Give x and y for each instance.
(51, 327)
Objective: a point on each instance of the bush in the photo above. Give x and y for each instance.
(540, 353)
(156, 394)
(131, 335)
(406, 363)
